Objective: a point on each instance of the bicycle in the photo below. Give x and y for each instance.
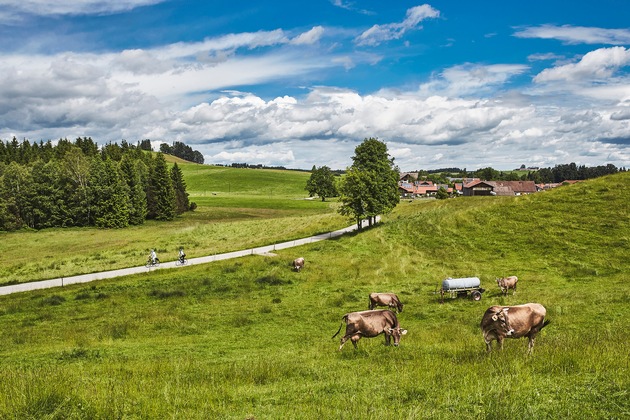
(150, 263)
(181, 261)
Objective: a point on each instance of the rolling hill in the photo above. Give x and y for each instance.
(251, 338)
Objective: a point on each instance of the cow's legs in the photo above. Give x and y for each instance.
(353, 337)
(343, 341)
(488, 344)
(530, 344)
(487, 337)
(500, 341)
(354, 341)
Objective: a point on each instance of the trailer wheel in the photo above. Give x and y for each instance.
(476, 295)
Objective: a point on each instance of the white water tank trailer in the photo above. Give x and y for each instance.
(463, 286)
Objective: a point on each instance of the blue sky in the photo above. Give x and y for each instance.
(297, 84)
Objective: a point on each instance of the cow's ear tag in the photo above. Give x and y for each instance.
(494, 317)
(403, 332)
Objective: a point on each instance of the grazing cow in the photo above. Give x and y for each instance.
(370, 324)
(507, 283)
(385, 299)
(298, 264)
(513, 322)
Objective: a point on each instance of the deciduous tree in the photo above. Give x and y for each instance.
(321, 183)
(373, 187)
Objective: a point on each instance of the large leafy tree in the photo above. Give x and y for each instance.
(321, 183)
(16, 195)
(76, 169)
(372, 188)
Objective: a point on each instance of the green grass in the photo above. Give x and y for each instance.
(250, 338)
(241, 214)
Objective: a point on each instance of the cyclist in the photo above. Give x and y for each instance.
(182, 254)
(153, 257)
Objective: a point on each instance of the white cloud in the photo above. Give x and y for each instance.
(309, 37)
(621, 115)
(596, 65)
(470, 78)
(378, 34)
(577, 34)
(74, 7)
(266, 155)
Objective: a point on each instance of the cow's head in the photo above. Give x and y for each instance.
(400, 307)
(396, 333)
(502, 321)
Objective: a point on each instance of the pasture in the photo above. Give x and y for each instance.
(235, 211)
(251, 338)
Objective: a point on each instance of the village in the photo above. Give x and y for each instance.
(409, 186)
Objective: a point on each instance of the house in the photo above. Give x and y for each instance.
(409, 177)
(421, 189)
(477, 188)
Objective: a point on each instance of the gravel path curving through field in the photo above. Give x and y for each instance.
(85, 278)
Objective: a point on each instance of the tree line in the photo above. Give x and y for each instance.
(79, 184)
(182, 151)
(557, 174)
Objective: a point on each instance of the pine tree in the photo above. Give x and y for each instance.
(161, 202)
(179, 185)
(134, 172)
(111, 196)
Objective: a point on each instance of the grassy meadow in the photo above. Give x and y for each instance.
(251, 339)
(237, 209)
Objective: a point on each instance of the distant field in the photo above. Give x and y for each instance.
(250, 338)
(237, 209)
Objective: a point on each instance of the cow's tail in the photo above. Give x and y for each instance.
(340, 325)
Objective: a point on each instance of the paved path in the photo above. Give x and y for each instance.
(85, 278)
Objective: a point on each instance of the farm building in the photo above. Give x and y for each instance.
(476, 188)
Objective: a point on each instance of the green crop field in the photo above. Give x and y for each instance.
(251, 339)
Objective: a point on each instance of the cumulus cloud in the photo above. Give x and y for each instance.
(576, 34)
(378, 34)
(596, 65)
(621, 115)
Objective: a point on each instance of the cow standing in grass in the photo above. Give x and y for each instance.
(298, 264)
(507, 283)
(525, 320)
(389, 300)
(370, 324)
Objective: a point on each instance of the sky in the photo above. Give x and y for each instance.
(467, 84)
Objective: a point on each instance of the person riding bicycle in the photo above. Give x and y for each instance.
(153, 257)
(182, 254)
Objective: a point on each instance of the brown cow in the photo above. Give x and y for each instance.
(298, 264)
(507, 283)
(370, 324)
(385, 299)
(513, 322)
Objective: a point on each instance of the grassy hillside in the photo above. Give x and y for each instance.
(237, 209)
(250, 338)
